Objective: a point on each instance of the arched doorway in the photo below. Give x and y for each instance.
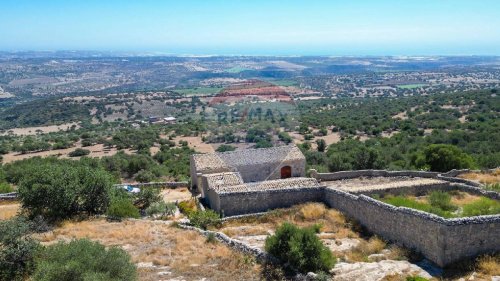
(286, 172)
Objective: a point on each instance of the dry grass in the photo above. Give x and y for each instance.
(176, 195)
(183, 253)
(484, 178)
(460, 198)
(397, 253)
(261, 229)
(365, 248)
(489, 265)
(312, 211)
(304, 215)
(9, 210)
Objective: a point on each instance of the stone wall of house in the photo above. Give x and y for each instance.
(442, 241)
(237, 203)
(271, 171)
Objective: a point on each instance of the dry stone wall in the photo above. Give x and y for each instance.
(370, 173)
(441, 240)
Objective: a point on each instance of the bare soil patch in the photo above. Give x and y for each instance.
(376, 183)
(39, 130)
(197, 144)
(9, 210)
(176, 195)
(97, 150)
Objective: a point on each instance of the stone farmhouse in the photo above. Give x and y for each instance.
(216, 174)
(257, 180)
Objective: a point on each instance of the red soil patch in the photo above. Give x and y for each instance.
(251, 88)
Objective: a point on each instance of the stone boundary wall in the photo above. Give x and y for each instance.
(454, 172)
(238, 203)
(370, 173)
(475, 190)
(260, 255)
(459, 180)
(173, 184)
(441, 240)
(449, 176)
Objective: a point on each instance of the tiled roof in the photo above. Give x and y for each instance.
(290, 183)
(219, 180)
(210, 162)
(235, 159)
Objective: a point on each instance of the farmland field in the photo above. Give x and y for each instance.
(198, 91)
(284, 83)
(236, 69)
(411, 86)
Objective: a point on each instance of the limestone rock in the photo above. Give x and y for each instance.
(374, 271)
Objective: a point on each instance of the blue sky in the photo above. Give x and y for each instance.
(293, 27)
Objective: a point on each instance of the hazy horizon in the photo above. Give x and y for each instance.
(288, 28)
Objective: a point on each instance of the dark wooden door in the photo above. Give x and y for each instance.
(286, 172)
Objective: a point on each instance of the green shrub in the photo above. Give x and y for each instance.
(83, 260)
(17, 249)
(79, 152)
(445, 157)
(145, 176)
(161, 208)
(187, 207)
(400, 201)
(442, 200)
(62, 189)
(146, 197)
(5, 188)
(211, 238)
(225, 147)
(483, 206)
(122, 208)
(300, 248)
(204, 219)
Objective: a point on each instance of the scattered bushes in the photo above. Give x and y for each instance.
(122, 208)
(300, 248)
(204, 219)
(401, 201)
(83, 260)
(79, 152)
(161, 208)
(440, 204)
